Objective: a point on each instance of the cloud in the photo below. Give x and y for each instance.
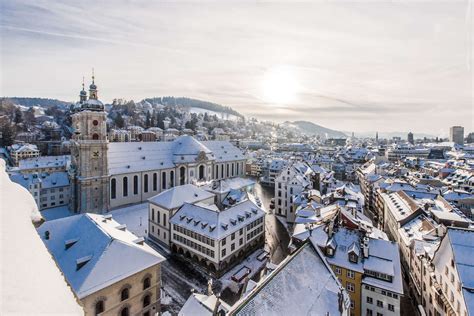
(361, 65)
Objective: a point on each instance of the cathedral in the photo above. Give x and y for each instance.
(105, 175)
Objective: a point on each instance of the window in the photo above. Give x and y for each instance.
(352, 304)
(125, 312)
(95, 136)
(146, 300)
(232, 247)
(369, 312)
(124, 294)
(232, 169)
(241, 241)
(163, 180)
(99, 307)
(350, 274)
(201, 172)
(182, 175)
(223, 253)
(370, 300)
(146, 283)
(379, 303)
(379, 314)
(337, 270)
(152, 215)
(171, 178)
(113, 188)
(391, 307)
(125, 186)
(145, 183)
(164, 219)
(232, 237)
(350, 287)
(223, 242)
(155, 181)
(135, 185)
(95, 122)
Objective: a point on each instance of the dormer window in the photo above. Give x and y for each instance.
(353, 257)
(329, 252)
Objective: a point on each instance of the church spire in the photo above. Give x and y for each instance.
(93, 88)
(83, 93)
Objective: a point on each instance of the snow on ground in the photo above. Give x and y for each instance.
(56, 212)
(135, 217)
(220, 115)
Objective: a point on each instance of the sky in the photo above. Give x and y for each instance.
(348, 65)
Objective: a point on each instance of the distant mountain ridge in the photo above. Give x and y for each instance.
(41, 102)
(193, 103)
(315, 129)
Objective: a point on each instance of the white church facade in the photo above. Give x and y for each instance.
(107, 175)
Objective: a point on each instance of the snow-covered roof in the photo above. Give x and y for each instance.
(44, 162)
(128, 157)
(226, 185)
(303, 284)
(109, 251)
(18, 148)
(48, 180)
(32, 284)
(384, 257)
(177, 196)
(217, 225)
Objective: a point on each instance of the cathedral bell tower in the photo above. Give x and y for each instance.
(89, 145)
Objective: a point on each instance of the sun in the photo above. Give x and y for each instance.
(280, 86)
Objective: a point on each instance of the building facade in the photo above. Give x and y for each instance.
(456, 135)
(109, 175)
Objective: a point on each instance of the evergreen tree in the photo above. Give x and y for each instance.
(118, 121)
(7, 135)
(18, 117)
(147, 120)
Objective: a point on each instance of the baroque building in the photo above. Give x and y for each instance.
(89, 148)
(109, 175)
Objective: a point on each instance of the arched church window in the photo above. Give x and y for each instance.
(155, 181)
(113, 188)
(145, 183)
(182, 175)
(99, 307)
(232, 169)
(163, 180)
(95, 136)
(171, 178)
(135, 184)
(125, 186)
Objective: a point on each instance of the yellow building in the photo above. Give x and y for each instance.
(351, 280)
(110, 270)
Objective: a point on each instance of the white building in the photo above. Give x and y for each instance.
(44, 164)
(23, 151)
(292, 180)
(451, 288)
(163, 206)
(48, 189)
(218, 239)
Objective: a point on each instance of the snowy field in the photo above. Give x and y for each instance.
(220, 115)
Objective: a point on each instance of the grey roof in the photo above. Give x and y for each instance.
(462, 243)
